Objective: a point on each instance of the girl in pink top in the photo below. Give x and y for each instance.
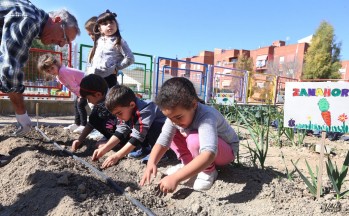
(70, 78)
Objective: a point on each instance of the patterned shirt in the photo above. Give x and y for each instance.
(102, 120)
(20, 23)
(145, 114)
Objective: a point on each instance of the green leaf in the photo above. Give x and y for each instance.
(312, 189)
(311, 173)
(346, 161)
(344, 193)
(332, 179)
(293, 171)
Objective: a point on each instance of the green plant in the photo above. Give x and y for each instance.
(311, 185)
(228, 112)
(295, 140)
(280, 130)
(300, 136)
(253, 153)
(289, 132)
(259, 133)
(290, 175)
(336, 177)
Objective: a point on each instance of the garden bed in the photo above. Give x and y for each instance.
(40, 180)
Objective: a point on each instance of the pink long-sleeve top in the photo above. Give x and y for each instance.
(71, 78)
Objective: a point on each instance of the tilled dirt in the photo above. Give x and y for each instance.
(41, 180)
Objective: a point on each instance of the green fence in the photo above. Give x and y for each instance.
(137, 76)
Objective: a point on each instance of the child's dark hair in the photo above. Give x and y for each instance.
(104, 17)
(92, 84)
(119, 95)
(177, 91)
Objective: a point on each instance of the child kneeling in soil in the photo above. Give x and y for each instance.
(141, 125)
(94, 88)
(198, 134)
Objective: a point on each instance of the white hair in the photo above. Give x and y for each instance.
(68, 19)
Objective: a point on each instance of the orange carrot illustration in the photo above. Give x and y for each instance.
(326, 116)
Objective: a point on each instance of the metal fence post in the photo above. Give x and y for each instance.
(155, 78)
(246, 87)
(209, 81)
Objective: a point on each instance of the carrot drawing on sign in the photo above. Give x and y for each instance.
(324, 107)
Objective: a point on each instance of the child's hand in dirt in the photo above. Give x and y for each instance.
(98, 153)
(151, 169)
(110, 161)
(168, 184)
(75, 145)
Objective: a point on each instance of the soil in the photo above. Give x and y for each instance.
(42, 180)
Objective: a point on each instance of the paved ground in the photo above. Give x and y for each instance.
(56, 120)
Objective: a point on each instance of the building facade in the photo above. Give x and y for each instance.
(277, 59)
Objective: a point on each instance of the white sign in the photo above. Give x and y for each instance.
(322, 106)
(225, 98)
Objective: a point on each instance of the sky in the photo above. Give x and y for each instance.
(184, 28)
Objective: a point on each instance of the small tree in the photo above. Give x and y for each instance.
(285, 69)
(322, 57)
(244, 63)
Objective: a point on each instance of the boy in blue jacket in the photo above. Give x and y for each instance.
(141, 124)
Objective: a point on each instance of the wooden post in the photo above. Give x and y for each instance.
(321, 161)
(37, 114)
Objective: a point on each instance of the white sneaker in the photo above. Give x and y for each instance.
(173, 169)
(204, 181)
(95, 135)
(71, 127)
(79, 129)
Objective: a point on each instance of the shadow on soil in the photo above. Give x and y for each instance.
(252, 178)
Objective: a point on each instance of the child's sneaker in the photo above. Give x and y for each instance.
(139, 153)
(71, 127)
(95, 135)
(79, 129)
(146, 158)
(173, 169)
(204, 181)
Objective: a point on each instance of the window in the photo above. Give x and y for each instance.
(218, 63)
(261, 60)
(233, 60)
(197, 67)
(183, 66)
(224, 62)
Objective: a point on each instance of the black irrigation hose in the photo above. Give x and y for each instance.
(104, 177)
